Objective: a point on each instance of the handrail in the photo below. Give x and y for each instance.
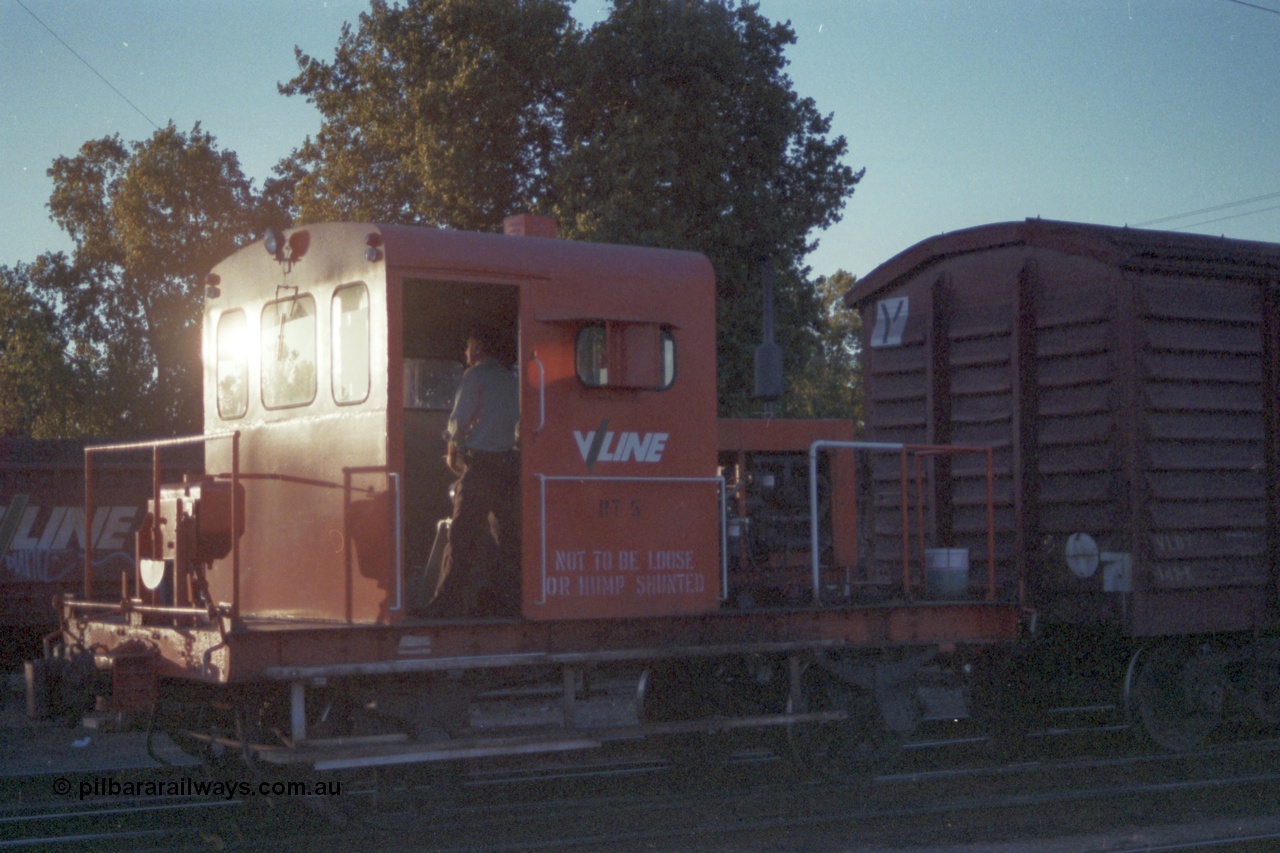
(813, 495)
(155, 446)
(397, 538)
(918, 450)
(542, 391)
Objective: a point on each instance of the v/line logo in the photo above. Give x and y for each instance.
(602, 445)
(33, 528)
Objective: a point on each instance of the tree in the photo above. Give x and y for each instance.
(148, 221)
(440, 112)
(41, 386)
(682, 130)
(671, 123)
(830, 386)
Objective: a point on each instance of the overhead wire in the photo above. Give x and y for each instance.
(1255, 6)
(1228, 205)
(1225, 218)
(1214, 209)
(63, 42)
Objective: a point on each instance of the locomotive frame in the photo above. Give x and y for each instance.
(281, 588)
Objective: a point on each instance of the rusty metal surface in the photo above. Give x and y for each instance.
(1128, 383)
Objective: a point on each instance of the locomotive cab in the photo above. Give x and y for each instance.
(336, 355)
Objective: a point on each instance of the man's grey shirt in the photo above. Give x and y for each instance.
(486, 410)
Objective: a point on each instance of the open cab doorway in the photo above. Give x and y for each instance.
(436, 318)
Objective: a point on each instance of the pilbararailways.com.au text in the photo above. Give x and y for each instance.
(188, 787)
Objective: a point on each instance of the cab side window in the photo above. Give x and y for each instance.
(233, 365)
(618, 354)
(590, 357)
(349, 337)
(668, 360)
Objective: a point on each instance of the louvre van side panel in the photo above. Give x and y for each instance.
(895, 386)
(1202, 448)
(1082, 494)
(947, 379)
(982, 410)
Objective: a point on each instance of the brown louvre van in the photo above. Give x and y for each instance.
(1127, 380)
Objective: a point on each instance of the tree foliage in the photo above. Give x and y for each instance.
(831, 385)
(440, 112)
(148, 220)
(670, 123)
(683, 130)
(42, 388)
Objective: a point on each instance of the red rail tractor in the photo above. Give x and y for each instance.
(679, 574)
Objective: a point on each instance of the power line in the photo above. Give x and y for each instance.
(1255, 6)
(1225, 218)
(86, 64)
(1213, 209)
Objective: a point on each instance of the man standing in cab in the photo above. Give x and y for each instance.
(481, 577)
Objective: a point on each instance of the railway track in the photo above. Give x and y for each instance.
(122, 824)
(1137, 800)
(771, 809)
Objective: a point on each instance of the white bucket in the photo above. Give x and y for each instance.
(946, 572)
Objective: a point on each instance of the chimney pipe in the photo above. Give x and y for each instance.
(529, 225)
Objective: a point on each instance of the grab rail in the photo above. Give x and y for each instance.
(903, 451)
(542, 391)
(155, 447)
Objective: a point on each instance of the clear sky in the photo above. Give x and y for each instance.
(963, 112)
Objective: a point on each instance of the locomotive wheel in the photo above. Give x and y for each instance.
(1177, 698)
(846, 749)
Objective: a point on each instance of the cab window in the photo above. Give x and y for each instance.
(349, 337)
(616, 354)
(668, 360)
(233, 365)
(431, 383)
(289, 352)
(590, 356)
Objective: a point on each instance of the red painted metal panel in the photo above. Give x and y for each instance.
(315, 546)
(618, 476)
